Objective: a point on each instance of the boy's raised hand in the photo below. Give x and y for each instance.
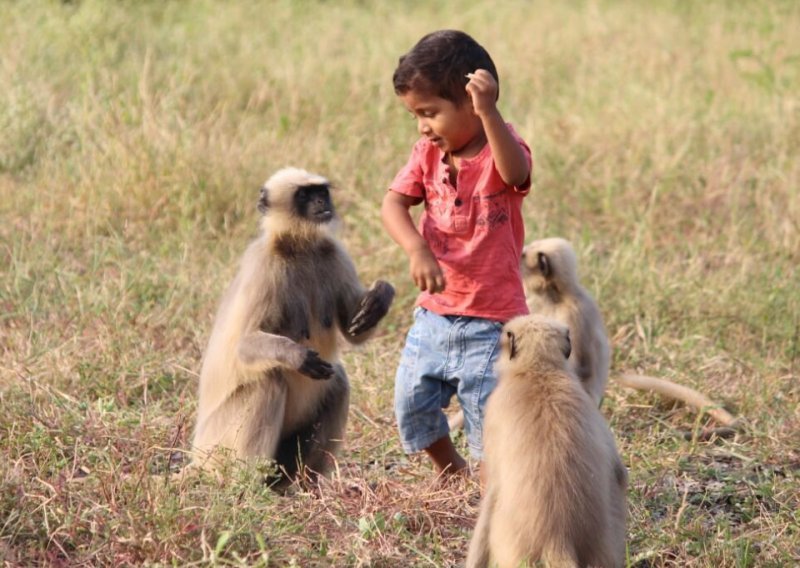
(482, 89)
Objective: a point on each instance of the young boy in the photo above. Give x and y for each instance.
(471, 170)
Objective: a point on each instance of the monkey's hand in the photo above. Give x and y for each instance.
(316, 367)
(262, 350)
(374, 305)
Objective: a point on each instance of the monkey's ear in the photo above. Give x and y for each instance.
(263, 201)
(544, 265)
(566, 348)
(512, 344)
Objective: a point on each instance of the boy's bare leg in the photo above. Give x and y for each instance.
(445, 458)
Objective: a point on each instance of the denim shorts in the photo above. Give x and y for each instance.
(443, 356)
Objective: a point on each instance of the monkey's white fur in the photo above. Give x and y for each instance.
(555, 481)
(552, 288)
(550, 276)
(296, 287)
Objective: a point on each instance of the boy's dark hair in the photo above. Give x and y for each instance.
(438, 64)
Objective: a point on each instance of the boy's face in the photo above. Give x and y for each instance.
(454, 129)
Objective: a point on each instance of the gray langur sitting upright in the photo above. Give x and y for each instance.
(271, 384)
(550, 276)
(555, 482)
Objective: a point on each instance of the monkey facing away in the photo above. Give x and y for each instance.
(555, 481)
(271, 385)
(550, 276)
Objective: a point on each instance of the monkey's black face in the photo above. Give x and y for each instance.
(313, 202)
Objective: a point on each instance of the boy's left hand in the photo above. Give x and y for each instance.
(482, 89)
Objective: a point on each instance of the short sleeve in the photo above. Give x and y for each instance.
(409, 180)
(525, 187)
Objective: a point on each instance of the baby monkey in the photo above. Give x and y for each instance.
(556, 483)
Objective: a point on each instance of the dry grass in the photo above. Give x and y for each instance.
(133, 136)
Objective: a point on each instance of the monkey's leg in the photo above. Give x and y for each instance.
(329, 425)
(260, 351)
(371, 309)
(248, 422)
(263, 427)
(478, 554)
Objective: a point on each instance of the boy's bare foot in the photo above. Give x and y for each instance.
(446, 459)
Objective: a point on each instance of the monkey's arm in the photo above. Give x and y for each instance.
(580, 335)
(260, 349)
(583, 365)
(374, 304)
(478, 554)
(620, 471)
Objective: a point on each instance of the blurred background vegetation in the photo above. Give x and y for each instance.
(134, 136)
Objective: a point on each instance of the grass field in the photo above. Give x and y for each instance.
(134, 136)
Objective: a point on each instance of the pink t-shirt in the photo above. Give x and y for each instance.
(475, 230)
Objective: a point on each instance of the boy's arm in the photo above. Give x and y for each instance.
(510, 159)
(424, 268)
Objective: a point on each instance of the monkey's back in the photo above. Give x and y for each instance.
(595, 345)
(591, 352)
(547, 446)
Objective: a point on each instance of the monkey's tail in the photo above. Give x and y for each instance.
(689, 396)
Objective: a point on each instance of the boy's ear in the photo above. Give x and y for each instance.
(468, 101)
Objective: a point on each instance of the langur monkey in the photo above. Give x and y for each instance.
(271, 384)
(552, 288)
(550, 276)
(555, 481)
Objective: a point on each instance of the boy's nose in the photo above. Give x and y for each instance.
(423, 127)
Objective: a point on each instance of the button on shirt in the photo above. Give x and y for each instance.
(474, 229)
